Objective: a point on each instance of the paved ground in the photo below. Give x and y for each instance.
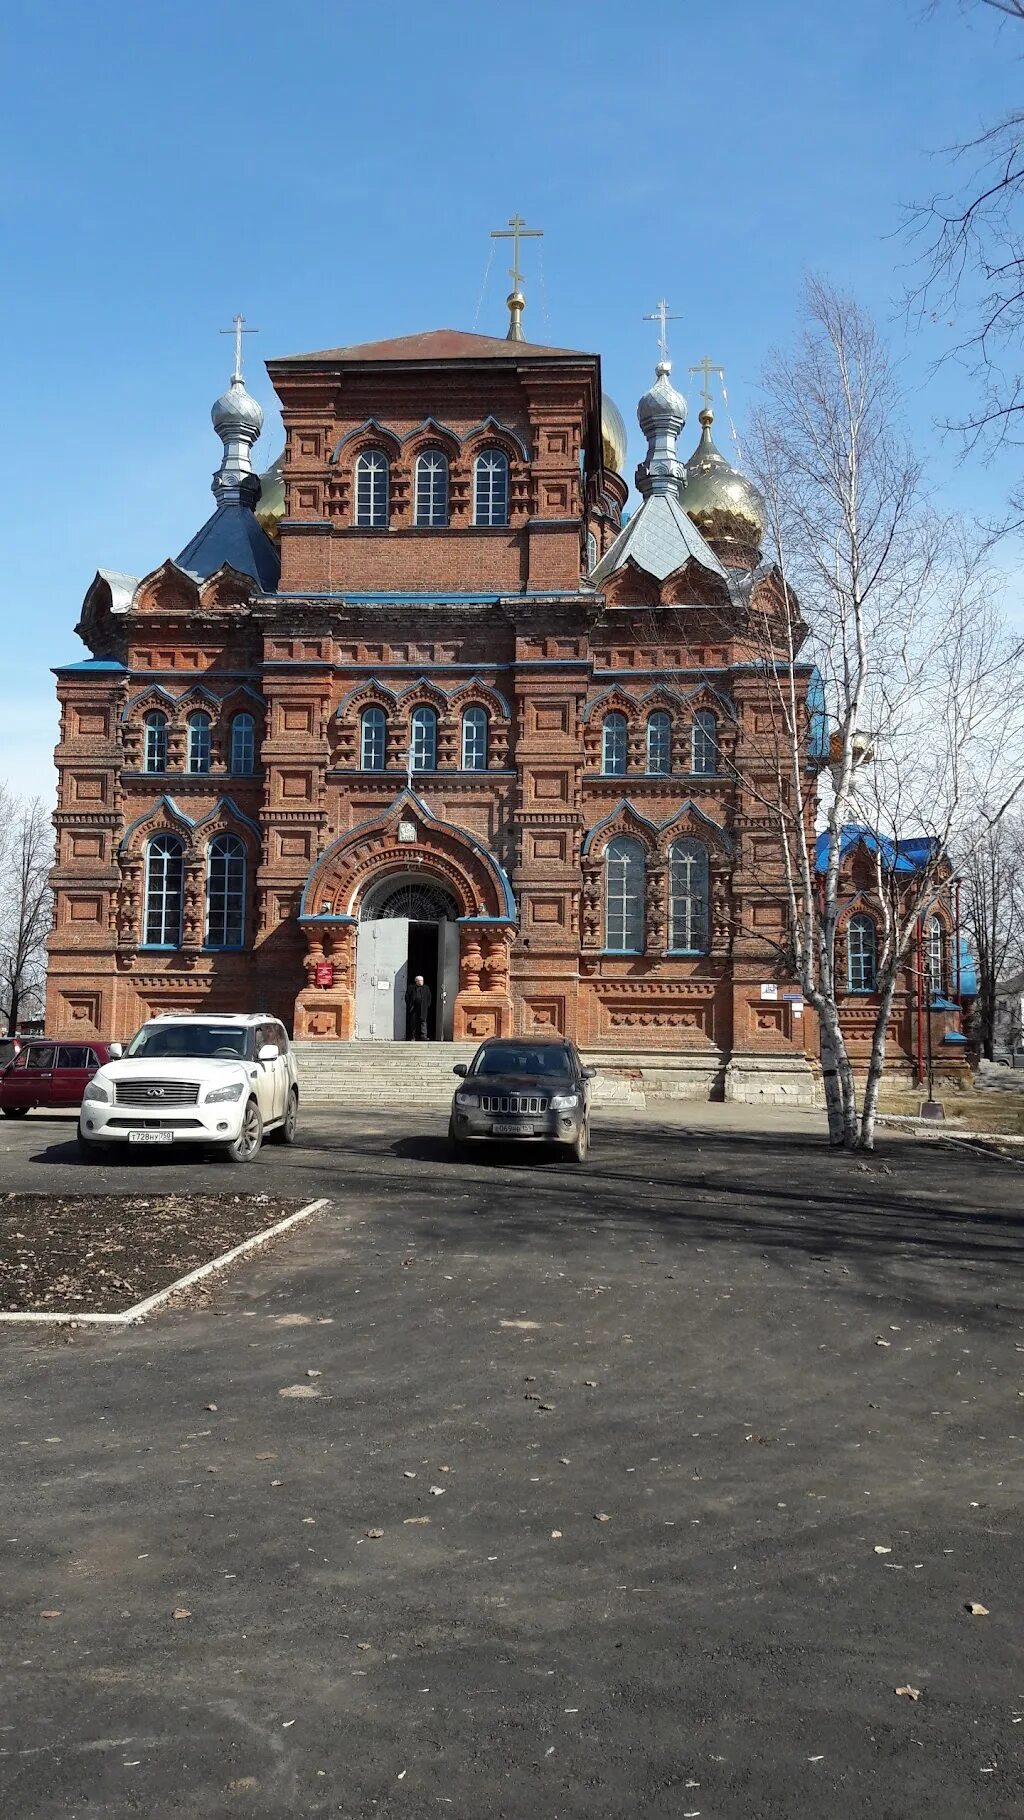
(683, 1338)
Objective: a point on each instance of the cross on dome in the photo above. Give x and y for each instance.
(661, 314)
(238, 329)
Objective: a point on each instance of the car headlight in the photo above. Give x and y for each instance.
(564, 1102)
(95, 1090)
(465, 1100)
(233, 1091)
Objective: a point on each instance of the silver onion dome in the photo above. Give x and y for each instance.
(661, 415)
(238, 420)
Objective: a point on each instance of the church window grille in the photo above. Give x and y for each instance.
(372, 488)
(474, 739)
(373, 729)
(688, 895)
(861, 954)
(243, 745)
(165, 870)
(155, 756)
(225, 892)
(704, 744)
(591, 552)
(624, 896)
(935, 957)
(614, 747)
(424, 739)
(490, 488)
(659, 744)
(199, 744)
(431, 488)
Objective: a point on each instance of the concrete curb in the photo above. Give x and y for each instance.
(152, 1302)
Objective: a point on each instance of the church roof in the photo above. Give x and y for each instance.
(436, 344)
(233, 536)
(659, 538)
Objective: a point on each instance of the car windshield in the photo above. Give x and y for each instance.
(206, 1042)
(520, 1058)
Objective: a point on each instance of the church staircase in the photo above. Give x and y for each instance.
(365, 1073)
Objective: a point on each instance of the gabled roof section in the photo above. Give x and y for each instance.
(233, 537)
(908, 855)
(659, 539)
(435, 344)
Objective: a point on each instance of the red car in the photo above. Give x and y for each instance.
(44, 1073)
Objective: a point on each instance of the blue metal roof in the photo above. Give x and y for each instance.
(233, 536)
(87, 664)
(897, 855)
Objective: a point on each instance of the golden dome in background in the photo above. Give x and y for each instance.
(270, 507)
(725, 506)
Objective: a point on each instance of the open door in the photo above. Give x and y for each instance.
(447, 979)
(381, 966)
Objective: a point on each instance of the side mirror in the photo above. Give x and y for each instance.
(268, 1053)
(461, 1070)
(588, 1073)
(116, 1049)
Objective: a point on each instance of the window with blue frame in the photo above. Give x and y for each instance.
(373, 739)
(704, 744)
(424, 739)
(243, 745)
(659, 744)
(688, 897)
(614, 745)
(225, 892)
(861, 953)
(165, 877)
(490, 488)
(624, 896)
(199, 744)
(155, 751)
(474, 739)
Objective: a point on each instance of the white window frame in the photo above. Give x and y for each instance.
(200, 745)
(624, 878)
(476, 729)
(860, 952)
(165, 891)
(373, 721)
(689, 888)
(225, 896)
(704, 744)
(614, 744)
(663, 719)
(423, 738)
(935, 957)
(491, 488)
(155, 725)
(371, 490)
(243, 744)
(431, 489)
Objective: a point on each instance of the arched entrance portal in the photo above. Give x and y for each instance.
(408, 925)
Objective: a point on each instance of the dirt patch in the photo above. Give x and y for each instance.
(101, 1254)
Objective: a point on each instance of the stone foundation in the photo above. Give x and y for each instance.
(771, 1080)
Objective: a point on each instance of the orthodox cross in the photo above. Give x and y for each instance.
(662, 315)
(238, 329)
(707, 367)
(516, 231)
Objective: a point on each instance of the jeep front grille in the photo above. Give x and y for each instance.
(153, 1095)
(513, 1102)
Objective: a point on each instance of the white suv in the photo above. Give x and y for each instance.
(224, 1080)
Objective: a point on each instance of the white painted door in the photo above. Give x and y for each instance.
(382, 954)
(447, 978)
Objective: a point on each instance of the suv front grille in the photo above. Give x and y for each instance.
(513, 1102)
(155, 1094)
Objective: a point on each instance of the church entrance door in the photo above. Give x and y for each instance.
(407, 926)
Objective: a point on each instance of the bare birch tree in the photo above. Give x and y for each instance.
(922, 687)
(25, 858)
(993, 905)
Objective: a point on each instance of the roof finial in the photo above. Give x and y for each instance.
(238, 420)
(238, 329)
(516, 231)
(662, 315)
(707, 367)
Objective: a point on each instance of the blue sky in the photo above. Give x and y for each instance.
(333, 170)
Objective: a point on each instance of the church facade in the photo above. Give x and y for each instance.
(425, 701)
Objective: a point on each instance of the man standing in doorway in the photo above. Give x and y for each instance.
(418, 1000)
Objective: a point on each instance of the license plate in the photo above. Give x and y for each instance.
(512, 1130)
(150, 1137)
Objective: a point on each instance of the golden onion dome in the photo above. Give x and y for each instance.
(269, 507)
(725, 506)
(614, 441)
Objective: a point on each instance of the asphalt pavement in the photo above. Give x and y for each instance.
(511, 1488)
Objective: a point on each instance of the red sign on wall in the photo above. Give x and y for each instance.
(325, 973)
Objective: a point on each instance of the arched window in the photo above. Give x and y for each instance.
(373, 734)
(431, 488)
(704, 744)
(935, 957)
(155, 754)
(861, 953)
(490, 488)
(372, 487)
(198, 744)
(613, 745)
(424, 739)
(659, 744)
(688, 897)
(225, 892)
(624, 896)
(591, 551)
(474, 739)
(165, 867)
(243, 745)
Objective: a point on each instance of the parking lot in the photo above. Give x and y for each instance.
(520, 1488)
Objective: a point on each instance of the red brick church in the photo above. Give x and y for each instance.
(423, 699)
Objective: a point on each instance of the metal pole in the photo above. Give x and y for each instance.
(920, 1014)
